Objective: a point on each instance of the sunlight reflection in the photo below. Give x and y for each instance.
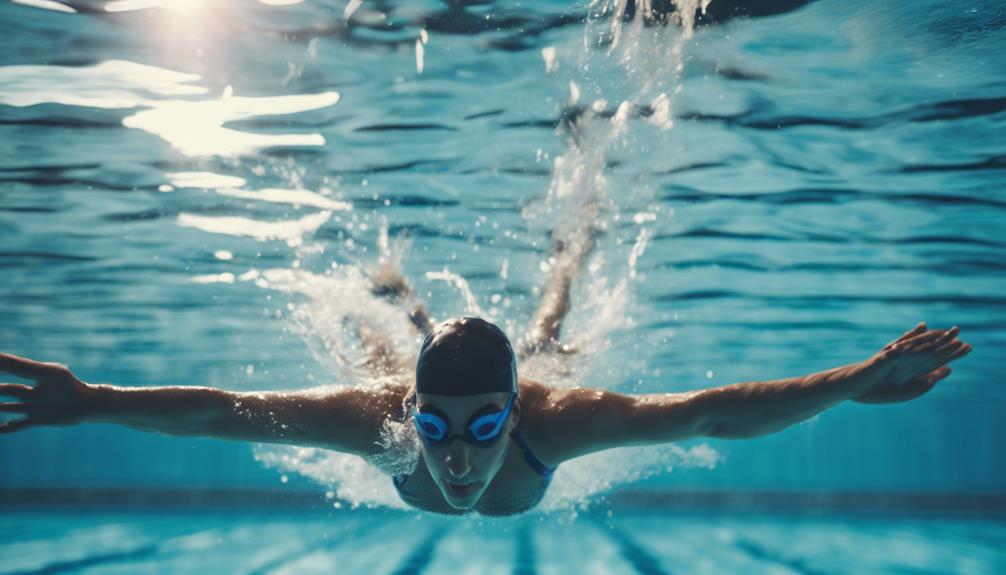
(292, 197)
(291, 231)
(203, 180)
(223, 278)
(111, 84)
(193, 127)
(47, 5)
(179, 6)
(196, 128)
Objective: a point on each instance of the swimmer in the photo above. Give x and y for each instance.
(489, 439)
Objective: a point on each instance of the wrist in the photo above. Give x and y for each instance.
(95, 400)
(866, 375)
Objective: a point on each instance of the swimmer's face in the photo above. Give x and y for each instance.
(461, 470)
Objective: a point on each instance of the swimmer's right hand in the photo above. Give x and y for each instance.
(57, 397)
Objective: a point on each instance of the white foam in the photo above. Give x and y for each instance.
(578, 482)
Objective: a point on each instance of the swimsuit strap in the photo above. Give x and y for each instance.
(535, 463)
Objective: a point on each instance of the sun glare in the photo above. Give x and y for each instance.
(177, 6)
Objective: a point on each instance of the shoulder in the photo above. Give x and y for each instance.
(555, 421)
(544, 403)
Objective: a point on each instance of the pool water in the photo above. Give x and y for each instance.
(195, 193)
(376, 543)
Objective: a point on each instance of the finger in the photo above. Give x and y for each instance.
(14, 407)
(913, 332)
(922, 338)
(938, 347)
(928, 381)
(898, 394)
(933, 359)
(23, 367)
(964, 350)
(15, 425)
(924, 384)
(932, 377)
(947, 337)
(17, 390)
(949, 347)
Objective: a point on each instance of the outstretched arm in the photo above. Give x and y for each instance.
(591, 420)
(341, 419)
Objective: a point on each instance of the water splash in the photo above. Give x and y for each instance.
(624, 88)
(581, 483)
(349, 478)
(652, 60)
(471, 302)
(332, 308)
(329, 312)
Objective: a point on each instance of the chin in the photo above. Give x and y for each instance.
(462, 500)
(461, 505)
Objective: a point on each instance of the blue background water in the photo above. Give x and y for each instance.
(834, 175)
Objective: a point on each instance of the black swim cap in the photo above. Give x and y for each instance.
(466, 356)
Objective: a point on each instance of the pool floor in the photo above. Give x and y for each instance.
(349, 542)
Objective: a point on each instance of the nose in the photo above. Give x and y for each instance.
(459, 461)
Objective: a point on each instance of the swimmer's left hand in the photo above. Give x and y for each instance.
(911, 365)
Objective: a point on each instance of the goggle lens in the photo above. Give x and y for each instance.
(483, 430)
(430, 426)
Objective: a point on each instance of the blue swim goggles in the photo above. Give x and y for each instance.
(482, 430)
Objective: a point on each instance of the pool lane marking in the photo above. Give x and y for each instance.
(164, 548)
(526, 554)
(91, 561)
(645, 562)
(763, 553)
(422, 554)
(325, 543)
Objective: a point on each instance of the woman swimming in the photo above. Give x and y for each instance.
(489, 440)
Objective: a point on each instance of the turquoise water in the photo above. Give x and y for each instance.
(276, 543)
(194, 193)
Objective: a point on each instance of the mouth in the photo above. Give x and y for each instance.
(461, 489)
